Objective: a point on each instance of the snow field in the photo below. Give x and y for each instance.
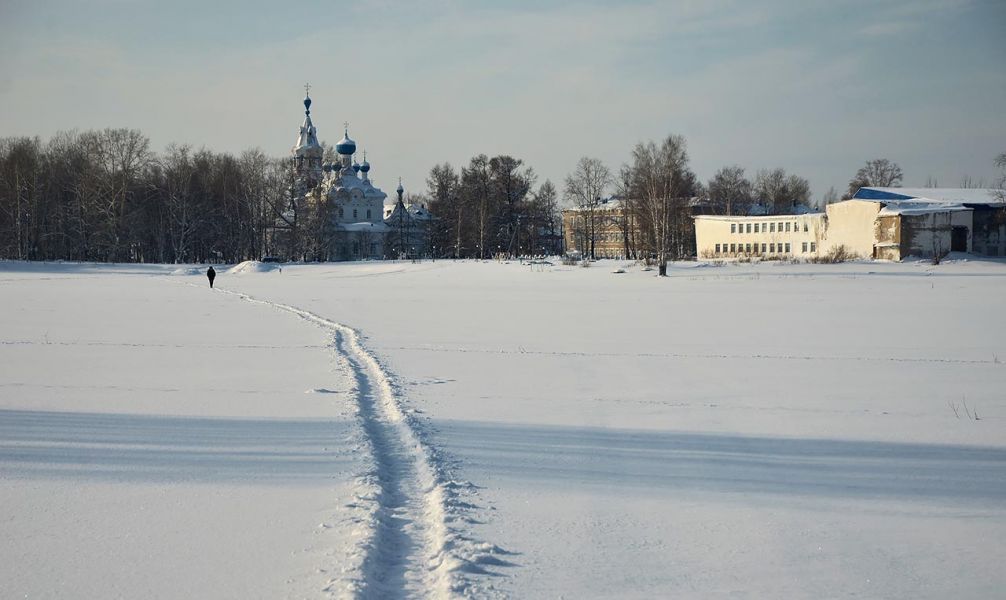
(744, 431)
(406, 497)
(772, 430)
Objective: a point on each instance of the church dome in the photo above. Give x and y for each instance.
(346, 146)
(356, 166)
(365, 167)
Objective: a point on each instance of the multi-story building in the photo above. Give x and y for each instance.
(612, 229)
(773, 236)
(602, 230)
(885, 223)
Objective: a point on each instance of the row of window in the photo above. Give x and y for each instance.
(770, 248)
(354, 213)
(773, 227)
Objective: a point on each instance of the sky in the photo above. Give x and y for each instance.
(815, 87)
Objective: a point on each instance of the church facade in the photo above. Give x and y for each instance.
(335, 212)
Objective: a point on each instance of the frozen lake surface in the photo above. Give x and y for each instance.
(448, 429)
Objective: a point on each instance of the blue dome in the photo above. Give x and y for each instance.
(307, 104)
(346, 146)
(365, 166)
(356, 166)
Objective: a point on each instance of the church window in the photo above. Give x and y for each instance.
(354, 213)
(368, 213)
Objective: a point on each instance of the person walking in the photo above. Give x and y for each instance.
(211, 275)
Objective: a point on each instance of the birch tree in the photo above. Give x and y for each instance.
(584, 188)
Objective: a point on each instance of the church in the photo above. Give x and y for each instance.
(335, 212)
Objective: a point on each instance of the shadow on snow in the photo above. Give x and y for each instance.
(154, 448)
(730, 463)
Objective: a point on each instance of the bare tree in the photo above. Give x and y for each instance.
(584, 188)
(662, 185)
(780, 192)
(443, 187)
(729, 191)
(831, 196)
(879, 172)
(970, 183)
(1000, 192)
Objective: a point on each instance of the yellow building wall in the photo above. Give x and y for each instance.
(733, 235)
(852, 224)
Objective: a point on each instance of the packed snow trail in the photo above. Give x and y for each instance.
(405, 500)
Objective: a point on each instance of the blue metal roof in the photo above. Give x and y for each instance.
(866, 193)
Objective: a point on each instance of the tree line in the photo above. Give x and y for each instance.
(492, 206)
(106, 196)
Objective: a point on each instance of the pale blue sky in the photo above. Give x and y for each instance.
(816, 87)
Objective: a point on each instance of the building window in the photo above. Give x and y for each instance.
(763, 246)
(748, 249)
(717, 248)
(748, 227)
(354, 216)
(732, 248)
(805, 229)
(368, 213)
(813, 246)
(780, 227)
(756, 227)
(787, 247)
(804, 248)
(733, 228)
(771, 227)
(771, 248)
(787, 227)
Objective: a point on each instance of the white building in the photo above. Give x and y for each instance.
(778, 236)
(888, 223)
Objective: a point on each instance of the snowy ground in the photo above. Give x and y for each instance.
(486, 429)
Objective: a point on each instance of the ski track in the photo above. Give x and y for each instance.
(406, 505)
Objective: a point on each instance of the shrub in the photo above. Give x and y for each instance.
(836, 255)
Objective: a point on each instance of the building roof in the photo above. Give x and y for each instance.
(935, 195)
(364, 226)
(753, 218)
(919, 207)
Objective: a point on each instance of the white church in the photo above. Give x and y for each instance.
(355, 219)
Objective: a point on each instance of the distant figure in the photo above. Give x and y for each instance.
(211, 275)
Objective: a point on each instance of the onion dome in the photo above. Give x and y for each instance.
(356, 166)
(400, 189)
(365, 167)
(346, 146)
(307, 105)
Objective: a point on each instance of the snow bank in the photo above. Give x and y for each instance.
(253, 266)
